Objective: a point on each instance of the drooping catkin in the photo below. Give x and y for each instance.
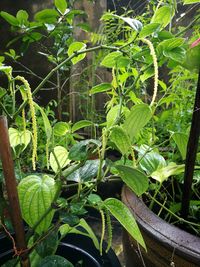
(155, 63)
(102, 231)
(33, 118)
(109, 229)
(24, 124)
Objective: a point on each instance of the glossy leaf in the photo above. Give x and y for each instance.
(61, 128)
(61, 155)
(85, 173)
(151, 162)
(76, 47)
(121, 139)
(54, 261)
(81, 124)
(80, 151)
(110, 60)
(138, 117)
(103, 87)
(163, 16)
(9, 18)
(36, 195)
(126, 219)
(136, 180)
(181, 141)
(61, 5)
(164, 173)
(47, 16)
(149, 29)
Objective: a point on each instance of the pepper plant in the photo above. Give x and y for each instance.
(81, 164)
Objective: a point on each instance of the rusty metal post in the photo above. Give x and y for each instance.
(11, 187)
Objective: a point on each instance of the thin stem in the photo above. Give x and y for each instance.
(180, 219)
(49, 75)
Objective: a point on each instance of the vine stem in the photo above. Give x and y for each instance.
(180, 219)
(54, 70)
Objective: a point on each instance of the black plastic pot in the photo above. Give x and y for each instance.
(167, 245)
(74, 248)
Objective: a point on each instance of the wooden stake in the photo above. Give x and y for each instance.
(11, 187)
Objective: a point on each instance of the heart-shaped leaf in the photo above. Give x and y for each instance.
(19, 138)
(59, 159)
(36, 195)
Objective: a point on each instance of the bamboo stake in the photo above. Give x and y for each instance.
(191, 154)
(11, 187)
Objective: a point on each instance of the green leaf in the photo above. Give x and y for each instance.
(147, 74)
(80, 151)
(66, 228)
(7, 70)
(76, 47)
(61, 5)
(138, 117)
(170, 44)
(151, 162)
(187, 2)
(135, 179)
(110, 60)
(81, 124)
(125, 217)
(36, 195)
(113, 113)
(61, 154)
(90, 232)
(121, 139)
(22, 17)
(19, 138)
(178, 54)
(164, 173)
(48, 246)
(94, 199)
(181, 141)
(103, 87)
(61, 128)
(47, 125)
(54, 261)
(149, 29)
(85, 173)
(122, 62)
(9, 18)
(134, 23)
(163, 16)
(47, 16)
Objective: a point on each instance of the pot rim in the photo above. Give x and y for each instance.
(170, 236)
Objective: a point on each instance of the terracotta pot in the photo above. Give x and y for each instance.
(166, 244)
